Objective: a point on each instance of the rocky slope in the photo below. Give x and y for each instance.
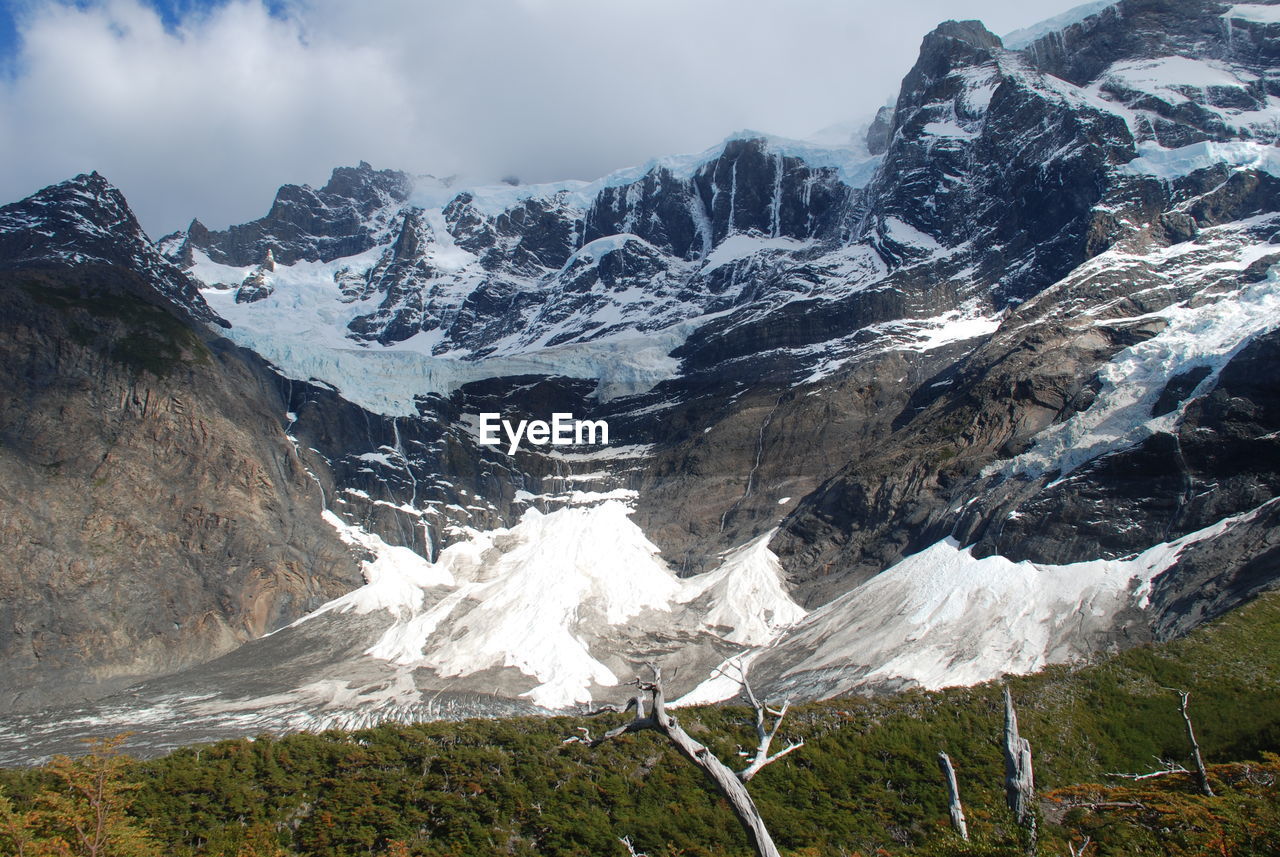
(154, 513)
(986, 393)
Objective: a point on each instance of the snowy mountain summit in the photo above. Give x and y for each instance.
(992, 391)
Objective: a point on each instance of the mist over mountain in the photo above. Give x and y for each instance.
(206, 106)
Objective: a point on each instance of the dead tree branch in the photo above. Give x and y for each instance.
(731, 784)
(1202, 775)
(631, 849)
(764, 733)
(1019, 778)
(1169, 768)
(953, 796)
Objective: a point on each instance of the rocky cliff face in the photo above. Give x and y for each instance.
(340, 219)
(154, 513)
(987, 393)
(1042, 367)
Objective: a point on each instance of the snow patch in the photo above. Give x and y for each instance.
(950, 128)
(1166, 77)
(966, 322)
(395, 577)
(1256, 12)
(901, 232)
(1019, 39)
(942, 617)
(739, 246)
(539, 595)
(533, 598)
(724, 683)
(388, 380)
(746, 594)
(1168, 164)
(633, 450)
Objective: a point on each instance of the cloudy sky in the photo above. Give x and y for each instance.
(201, 108)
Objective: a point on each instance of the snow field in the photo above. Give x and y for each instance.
(942, 617)
(536, 595)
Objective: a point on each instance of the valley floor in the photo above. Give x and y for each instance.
(866, 781)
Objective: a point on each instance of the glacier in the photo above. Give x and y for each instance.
(534, 596)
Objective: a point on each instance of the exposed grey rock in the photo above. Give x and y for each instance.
(305, 223)
(155, 515)
(86, 220)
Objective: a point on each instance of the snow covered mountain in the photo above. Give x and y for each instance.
(992, 391)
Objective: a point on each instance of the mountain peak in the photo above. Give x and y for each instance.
(87, 220)
(306, 223)
(973, 33)
(91, 194)
(362, 183)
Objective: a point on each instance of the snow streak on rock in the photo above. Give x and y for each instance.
(1205, 333)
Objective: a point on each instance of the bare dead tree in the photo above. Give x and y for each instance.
(1169, 768)
(953, 796)
(1202, 775)
(730, 783)
(631, 848)
(1019, 778)
(1079, 851)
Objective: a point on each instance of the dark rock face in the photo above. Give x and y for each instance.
(539, 255)
(254, 288)
(906, 495)
(401, 275)
(1209, 582)
(155, 515)
(306, 224)
(1139, 29)
(986, 155)
(87, 221)
(880, 131)
(1223, 460)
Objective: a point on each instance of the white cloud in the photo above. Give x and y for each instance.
(191, 121)
(209, 119)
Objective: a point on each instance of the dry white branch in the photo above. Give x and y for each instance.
(631, 849)
(956, 809)
(731, 784)
(1079, 851)
(1169, 768)
(765, 733)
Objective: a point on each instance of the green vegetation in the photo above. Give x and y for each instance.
(866, 781)
(82, 810)
(131, 331)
